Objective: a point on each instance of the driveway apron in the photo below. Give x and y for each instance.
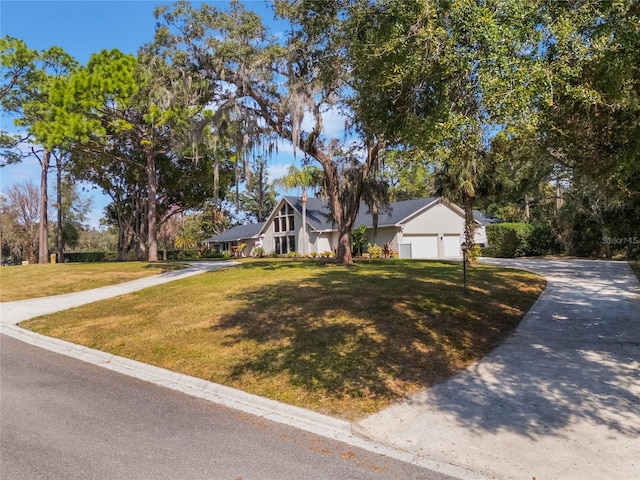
(559, 400)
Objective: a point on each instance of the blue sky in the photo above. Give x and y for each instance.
(85, 27)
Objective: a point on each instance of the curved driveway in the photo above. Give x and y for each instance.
(560, 399)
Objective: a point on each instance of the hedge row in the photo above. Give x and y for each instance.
(91, 257)
(113, 256)
(509, 240)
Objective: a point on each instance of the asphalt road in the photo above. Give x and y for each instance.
(61, 418)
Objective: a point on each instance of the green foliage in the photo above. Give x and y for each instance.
(88, 257)
(473, 253)
(293, 254)
(259, 197)
(358, 239)
(509, 240)
(259, 252)
(375, 251)
(208, 253)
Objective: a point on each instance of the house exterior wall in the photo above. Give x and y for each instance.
(433, 231)
(439, 219)
(320, 242)
(480, 236)
(384, 235)
(270, 243)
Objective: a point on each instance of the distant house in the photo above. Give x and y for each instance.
(483, 220)
(422, 228)
(229, 239)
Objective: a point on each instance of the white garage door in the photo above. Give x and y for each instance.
(423, 246)
(452, 246)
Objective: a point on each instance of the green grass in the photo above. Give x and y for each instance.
(21, 282)
(345, 341)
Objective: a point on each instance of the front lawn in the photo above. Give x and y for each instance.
(20, 282)
(346, 341)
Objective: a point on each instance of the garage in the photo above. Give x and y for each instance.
(423, 246)
(451, 244)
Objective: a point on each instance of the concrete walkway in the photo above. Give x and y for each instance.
(559, 400)
(12, 313)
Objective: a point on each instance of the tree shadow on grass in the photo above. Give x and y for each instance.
(377, 331)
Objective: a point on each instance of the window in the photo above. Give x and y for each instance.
(284, 223)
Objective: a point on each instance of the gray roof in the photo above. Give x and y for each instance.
(485, 219)
(319, 217)
(239, 232)
(318, 212)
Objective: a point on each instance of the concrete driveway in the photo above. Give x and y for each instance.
(559, 400)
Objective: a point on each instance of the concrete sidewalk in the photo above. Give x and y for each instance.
(559, 400)
(12, 313)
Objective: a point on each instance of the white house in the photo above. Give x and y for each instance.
(422, 228)
(483, 220)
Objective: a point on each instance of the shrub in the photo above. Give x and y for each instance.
(358, 240)
(543, 240)
(313, 254)
(375, 251)
(88, 257)
(326, 254)
(474, 252)
(210, 254)
(293, 254)
(259, 252)
(511, 240)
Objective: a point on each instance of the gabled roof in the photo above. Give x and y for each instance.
(485, 219)
(397, 213)
(239, 232)
(318, 212)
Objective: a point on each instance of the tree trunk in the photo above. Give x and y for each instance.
(59, 242)
(344, 246)
(152, 221)
(469, 222)
(122, 242)
(43, 248)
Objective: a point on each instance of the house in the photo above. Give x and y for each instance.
(483, 220)
(422, 228)
(229, 239)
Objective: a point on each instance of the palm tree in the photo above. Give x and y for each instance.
(306, 177)
(456, 180)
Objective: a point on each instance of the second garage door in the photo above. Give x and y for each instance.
(423, 246)
(451, 245)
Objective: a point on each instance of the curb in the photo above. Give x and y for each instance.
(303, 419)
(297, 417)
